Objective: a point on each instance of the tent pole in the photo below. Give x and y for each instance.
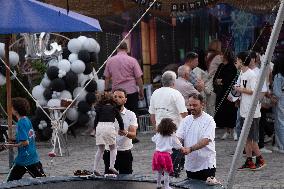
(9, 100)
(265, 65)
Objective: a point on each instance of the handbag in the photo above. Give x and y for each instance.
(218, 88)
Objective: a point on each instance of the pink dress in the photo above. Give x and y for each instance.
(162, 160)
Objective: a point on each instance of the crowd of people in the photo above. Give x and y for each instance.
(184, 112)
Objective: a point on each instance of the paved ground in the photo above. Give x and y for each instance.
(82, 151)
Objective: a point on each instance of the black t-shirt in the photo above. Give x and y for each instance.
(108, 113)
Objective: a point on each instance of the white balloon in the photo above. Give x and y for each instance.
(64, 65)
(64, 127)
(78, 66)
(101, 85)
(13, 58)
(82, 77)
(82, 38)
(53, 62)
(74, 45)
(82, 95)
(91, 45)
(45, 82)
(72, 114)
(72, 57)
(2, 50)
(40, 126)
(42, 102)
(65, 95)
(94, 74)
(37, 92)
(54, 103)
(2, 80)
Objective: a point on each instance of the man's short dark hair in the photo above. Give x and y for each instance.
(190, 56)
(121, 90)
(123, 46)
(245, 58)
(197, 97)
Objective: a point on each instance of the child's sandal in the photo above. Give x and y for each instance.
(212, 181)
(77, 172)
(86, 172)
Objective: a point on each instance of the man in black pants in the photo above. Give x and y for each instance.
(124, 144)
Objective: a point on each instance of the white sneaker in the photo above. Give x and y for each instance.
(276, 149)
(235, 136)
(267, 139)
(265, 150)
(225, 136)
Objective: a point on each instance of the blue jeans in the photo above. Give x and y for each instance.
(238, 127)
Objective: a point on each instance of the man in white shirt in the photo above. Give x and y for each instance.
(246, 87)
(167, 102)
(124, 144)
(197, 131)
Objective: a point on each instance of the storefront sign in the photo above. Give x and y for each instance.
(184, 7)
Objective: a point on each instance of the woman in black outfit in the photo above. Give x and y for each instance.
(226, 112)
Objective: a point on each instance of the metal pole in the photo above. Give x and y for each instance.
(9, 100)
(247, 124)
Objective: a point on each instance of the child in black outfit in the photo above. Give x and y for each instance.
(106, 112)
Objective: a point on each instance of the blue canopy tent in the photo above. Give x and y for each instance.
(31, 16)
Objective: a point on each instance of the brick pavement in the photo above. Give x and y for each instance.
(82, 151)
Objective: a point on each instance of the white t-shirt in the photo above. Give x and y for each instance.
(166, 143)
(248, 80)
(257, 73)
(129, 119)
(167, 102)
(192, 131)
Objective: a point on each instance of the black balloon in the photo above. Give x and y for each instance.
(83, 107)
(46, 133)
(71, 79)
(91, 98)
(52, 72)
(84, 56)
(92, 86)
(57, 85)
(65, 53)
(47, 94)
(35, 122)
(93, 57)
(83, 119)
(88, 69)
(40, 115)
(2, 68)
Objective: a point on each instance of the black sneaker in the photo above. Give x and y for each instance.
(135, 140)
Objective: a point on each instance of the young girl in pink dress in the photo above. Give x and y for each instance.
(165, 140)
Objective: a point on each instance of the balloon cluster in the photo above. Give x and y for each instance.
(66, 77)
(13, 59)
